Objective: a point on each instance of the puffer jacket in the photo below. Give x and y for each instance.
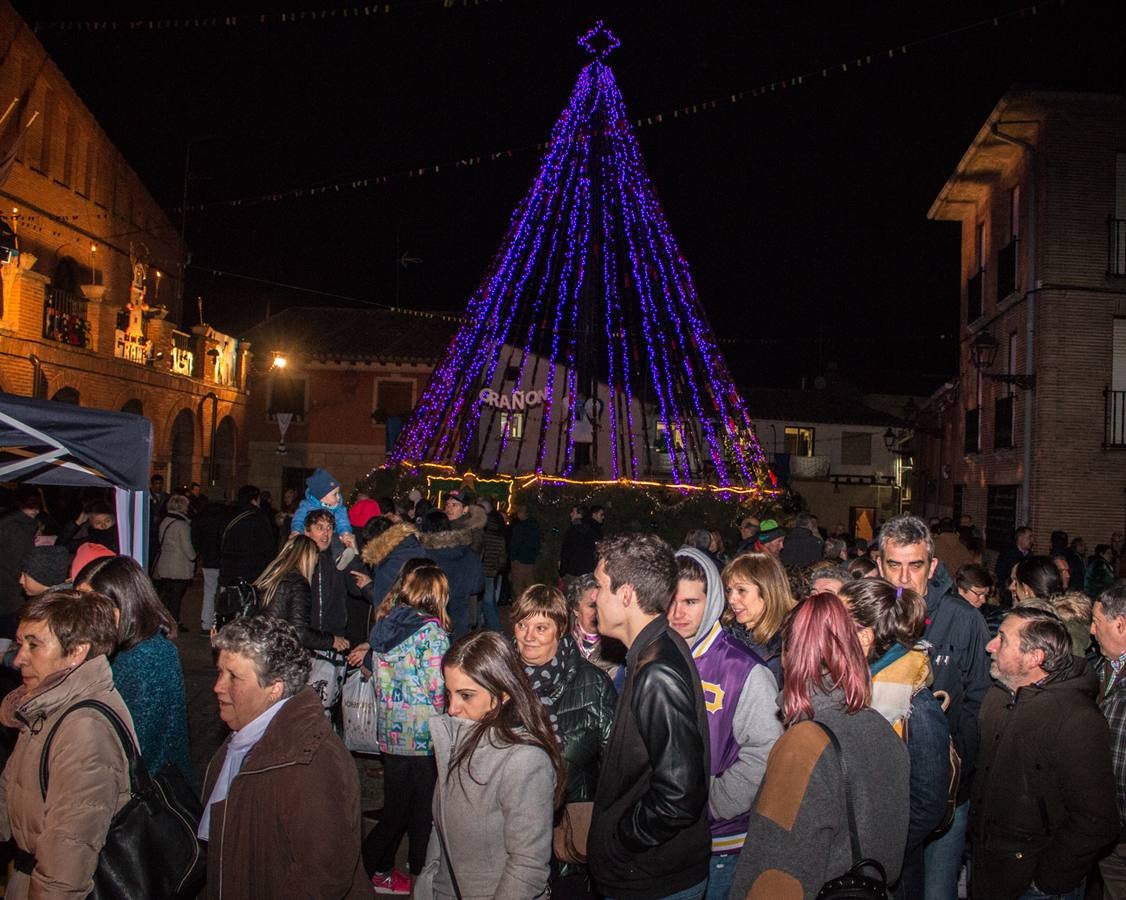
(583, 704)
(451, 550)
(292, 601)
(494, 548)
(89, 780)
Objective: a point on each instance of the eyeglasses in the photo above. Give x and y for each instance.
(981, 593)
(747, 526)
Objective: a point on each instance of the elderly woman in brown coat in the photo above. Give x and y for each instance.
(63, 639)
(282, 797)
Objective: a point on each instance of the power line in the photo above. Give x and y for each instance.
(688, 110)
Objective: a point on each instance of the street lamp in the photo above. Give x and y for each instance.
(983, 353)
(280, 362)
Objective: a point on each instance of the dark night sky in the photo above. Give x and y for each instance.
(803, 214)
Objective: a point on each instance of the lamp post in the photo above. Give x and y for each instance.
(983, 353)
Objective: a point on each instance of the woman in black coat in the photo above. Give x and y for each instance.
(284, 590)
(579, 699)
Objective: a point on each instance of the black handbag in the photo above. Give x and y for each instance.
(234, 601)
(151, 849)
(853, 884)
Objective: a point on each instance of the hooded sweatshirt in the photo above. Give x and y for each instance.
(740, 695)
(407, 647)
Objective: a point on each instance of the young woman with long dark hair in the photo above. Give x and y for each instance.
(500, 778)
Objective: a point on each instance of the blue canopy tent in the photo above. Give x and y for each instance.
(44, 442)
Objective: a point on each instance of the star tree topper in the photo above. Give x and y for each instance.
(600, 41)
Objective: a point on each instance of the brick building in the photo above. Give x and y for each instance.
(1034, 428)
(350, 377)
(92, 290)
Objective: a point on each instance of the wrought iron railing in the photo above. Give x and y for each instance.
(1114, 419)
(1116, 246)
(64, 318)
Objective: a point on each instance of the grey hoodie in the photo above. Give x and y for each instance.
(755, 725)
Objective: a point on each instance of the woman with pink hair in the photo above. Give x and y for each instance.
(802, 801)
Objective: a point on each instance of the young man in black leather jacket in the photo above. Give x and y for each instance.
(649, 836)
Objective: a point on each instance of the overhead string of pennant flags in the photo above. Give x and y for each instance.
(688, 110)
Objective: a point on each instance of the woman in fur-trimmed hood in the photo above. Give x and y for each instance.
(434, 538)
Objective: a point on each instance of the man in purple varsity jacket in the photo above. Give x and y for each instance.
(741, 699)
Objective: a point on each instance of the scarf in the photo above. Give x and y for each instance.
(896, 677)
(586, 641)
(547, 678)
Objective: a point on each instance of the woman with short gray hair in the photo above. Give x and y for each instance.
(584, 626)
(282, 816)
(176, 555)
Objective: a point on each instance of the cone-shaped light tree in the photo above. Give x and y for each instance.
(585, 347)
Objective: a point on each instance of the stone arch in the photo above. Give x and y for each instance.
(182, 446)
(134, 406)
(68, 395)
(225, 452)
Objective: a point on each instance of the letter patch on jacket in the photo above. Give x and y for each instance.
(713, 696)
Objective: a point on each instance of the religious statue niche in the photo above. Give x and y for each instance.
(130, 342)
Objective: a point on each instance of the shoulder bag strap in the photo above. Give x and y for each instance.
(231, 524)
(138, 774)
(854, 837)
(445, 849)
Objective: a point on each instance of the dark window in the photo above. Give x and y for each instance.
(294, 477)
(973, 429)
(1007, 270)
(511, 373)
(856, 448)
(959, 503)
(287, 395)
(975, 288)
(1003, 422)
(1000, 515)
(394, 397)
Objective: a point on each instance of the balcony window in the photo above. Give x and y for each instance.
(287, 395)
(799, 441)
(973, 431)
(1114, 420)
(1003, 422)
(975, 290)
(1116, 249)
(64, 318)
(1007, 270)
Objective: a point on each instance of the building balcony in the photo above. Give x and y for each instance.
(1116, 247)
(64, 318)
(809, 467)
(1114, 420)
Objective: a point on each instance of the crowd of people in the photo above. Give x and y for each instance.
(630, 720)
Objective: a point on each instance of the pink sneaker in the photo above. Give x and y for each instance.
(393, 882)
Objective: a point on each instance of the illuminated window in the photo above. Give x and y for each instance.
(514, 422)
(799, 441)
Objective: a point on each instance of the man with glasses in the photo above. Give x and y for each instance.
(748, 534)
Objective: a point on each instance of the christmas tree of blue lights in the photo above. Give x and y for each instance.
(590, 301)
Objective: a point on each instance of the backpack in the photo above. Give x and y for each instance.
(234, 601)
(151, 849)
